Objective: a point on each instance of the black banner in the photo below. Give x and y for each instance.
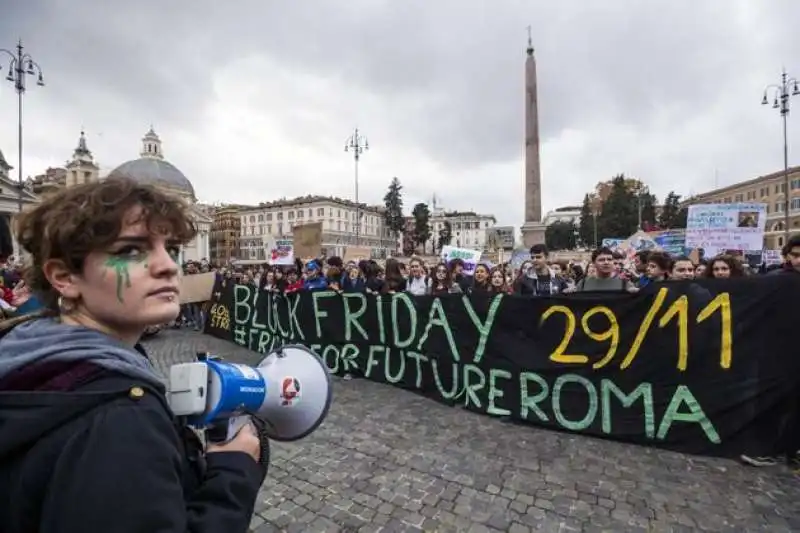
(707, 369)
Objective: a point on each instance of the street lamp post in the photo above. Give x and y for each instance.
(641, 190)
(596, 206)
(20, 67)
(781, 94)
(357, 144)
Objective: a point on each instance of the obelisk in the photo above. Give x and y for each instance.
(533, 229)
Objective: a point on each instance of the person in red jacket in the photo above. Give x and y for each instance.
(293, 281)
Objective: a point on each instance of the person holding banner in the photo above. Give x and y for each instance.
(604, 278)
(443, 283)
(791, 257)
(540, 279)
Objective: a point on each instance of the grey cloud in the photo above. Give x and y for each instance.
(447, 77)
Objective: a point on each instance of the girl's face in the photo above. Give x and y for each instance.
(441, 273)
(121, 290)
(292, 277)
(278, 274)
(481, 274)
(700, 270)
(270, 277)
(497, 279)
(720, 269)
(353, 273)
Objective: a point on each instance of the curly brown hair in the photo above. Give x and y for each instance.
(79, 220)
(735, 266)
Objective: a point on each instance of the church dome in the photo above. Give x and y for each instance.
(153, 169)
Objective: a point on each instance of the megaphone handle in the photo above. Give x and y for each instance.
(220, 433)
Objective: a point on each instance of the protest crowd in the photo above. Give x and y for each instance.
(606, 272)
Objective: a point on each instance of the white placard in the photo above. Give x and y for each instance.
(470, 257)
(726, 226)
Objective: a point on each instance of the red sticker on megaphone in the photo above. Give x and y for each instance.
(290, 391)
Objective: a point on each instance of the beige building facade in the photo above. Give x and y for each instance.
(225, 231)
(468, 228)
(770, 190)
(272, 220)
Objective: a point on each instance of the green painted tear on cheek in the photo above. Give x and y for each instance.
(120, 267)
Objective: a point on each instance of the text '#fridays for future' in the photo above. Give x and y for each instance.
(635, 368)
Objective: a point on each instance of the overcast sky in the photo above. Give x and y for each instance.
(254, 99)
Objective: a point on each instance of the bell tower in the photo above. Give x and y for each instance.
(82, 168)
(151, 145)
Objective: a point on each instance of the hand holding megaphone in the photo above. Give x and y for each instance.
(288, 395)
(246, 441)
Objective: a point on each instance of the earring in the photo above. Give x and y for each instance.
(64, 305)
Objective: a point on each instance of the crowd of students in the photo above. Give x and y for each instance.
(607, 270)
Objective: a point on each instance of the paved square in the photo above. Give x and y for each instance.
(389, 460)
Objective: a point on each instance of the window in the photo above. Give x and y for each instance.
(738, 198)
(280, 216)
(269, 217)
(795, 203)
(252, 219)
(779, 207)
(310, 212)
(300, 213)
(339, 225)
(261, 218)
(320, 211)
(291, 215)
(339, 213)
(269, 228)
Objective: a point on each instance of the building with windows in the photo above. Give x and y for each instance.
(468, 229)
(262, 224)
(568, 214)
(225, 230)
(769, 189)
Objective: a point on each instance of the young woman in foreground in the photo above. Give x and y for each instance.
(87, 440)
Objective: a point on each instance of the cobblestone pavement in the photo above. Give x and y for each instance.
(390, 460)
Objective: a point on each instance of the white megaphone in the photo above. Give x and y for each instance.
(290, 390)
